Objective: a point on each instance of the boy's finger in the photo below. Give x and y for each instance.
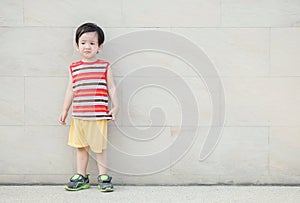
(62, 121)
(113, 117)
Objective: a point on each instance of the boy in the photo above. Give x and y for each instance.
(90, 85)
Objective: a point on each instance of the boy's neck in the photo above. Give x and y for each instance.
(89, 60)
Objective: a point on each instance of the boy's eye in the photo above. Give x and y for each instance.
(92, 43)
(82, 43)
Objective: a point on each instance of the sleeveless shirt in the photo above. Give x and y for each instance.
(90, 101)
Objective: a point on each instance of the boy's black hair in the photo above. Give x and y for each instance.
(89, 27)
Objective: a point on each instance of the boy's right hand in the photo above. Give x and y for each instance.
(62, 117)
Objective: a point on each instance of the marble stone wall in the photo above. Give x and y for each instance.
(254, 45)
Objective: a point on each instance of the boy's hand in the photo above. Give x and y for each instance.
(113, 112)
(62, 117)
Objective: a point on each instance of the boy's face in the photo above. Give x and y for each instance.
(88, 46)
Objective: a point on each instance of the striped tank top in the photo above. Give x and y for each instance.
(90, 101)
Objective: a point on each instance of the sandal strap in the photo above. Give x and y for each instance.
(77, 177)
(104, 178)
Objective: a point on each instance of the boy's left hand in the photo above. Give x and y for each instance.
(113, 112)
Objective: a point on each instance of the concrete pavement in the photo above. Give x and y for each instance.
(215, 194)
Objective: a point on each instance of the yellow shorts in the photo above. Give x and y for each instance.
(85, 133)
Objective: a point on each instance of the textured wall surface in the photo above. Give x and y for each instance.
(254, 45)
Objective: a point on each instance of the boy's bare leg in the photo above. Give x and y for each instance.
(101, 162)
(82, 160)
(104, 181)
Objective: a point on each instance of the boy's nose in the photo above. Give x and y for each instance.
(87, 46)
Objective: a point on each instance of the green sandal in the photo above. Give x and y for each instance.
(105, 184)
(78, 182)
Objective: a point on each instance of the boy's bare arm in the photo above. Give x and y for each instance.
(67, 102)
(112, 94)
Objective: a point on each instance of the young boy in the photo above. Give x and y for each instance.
(90, 85)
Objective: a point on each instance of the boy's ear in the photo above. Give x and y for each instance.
(100, 47)
(77, 47)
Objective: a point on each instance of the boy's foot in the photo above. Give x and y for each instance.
(104, 183)
(78, 182)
